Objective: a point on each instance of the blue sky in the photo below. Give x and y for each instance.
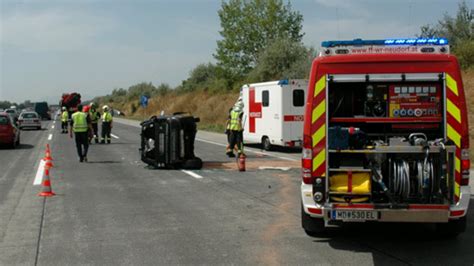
(93, 46)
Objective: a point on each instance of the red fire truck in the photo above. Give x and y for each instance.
(385, 136)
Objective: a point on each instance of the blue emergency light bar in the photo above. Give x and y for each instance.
(411, 41)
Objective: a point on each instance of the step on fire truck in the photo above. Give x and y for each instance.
(385, 136)
(275, 112)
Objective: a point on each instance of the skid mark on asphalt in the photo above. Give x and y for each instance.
(271, 255)
(251, 165)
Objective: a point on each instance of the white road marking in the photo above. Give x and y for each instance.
(39, 174)
(114, 136)
(52, 127)
(192, 174)
(50, 137)
(250, 150)
(211, 142)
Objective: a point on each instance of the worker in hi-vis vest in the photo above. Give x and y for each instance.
(95, 116)
(80, 125)
(64, 119)
(106, 125)
(235, 127)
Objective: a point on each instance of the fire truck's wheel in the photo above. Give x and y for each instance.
(452, 228)
(266, 144)
(313, 227)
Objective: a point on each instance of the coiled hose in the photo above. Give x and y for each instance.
(401, 178)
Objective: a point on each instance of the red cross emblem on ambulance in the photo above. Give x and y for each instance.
(255, 110)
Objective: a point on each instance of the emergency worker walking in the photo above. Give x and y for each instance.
(235, 126)
(64, 119)
(106, 125)
(80, 126)
(95, 116)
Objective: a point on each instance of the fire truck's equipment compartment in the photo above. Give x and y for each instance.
(168, 142)
(389, 128)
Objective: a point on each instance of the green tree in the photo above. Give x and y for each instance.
(284, 58)
(455, 29)
(163, 89)
(135, 91)
(200, 77)
(248, 27)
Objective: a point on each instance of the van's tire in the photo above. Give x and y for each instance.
(193, 164)
(452, 228)
(313, 227)
(266, 144)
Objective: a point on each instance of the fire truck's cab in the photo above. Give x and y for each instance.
(385, 136)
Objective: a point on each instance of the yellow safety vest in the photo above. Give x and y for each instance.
(93, 115)
(107, 117)
(64, 116)
(79, 120)
(235, 121)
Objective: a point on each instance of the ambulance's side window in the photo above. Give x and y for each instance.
(265, 98)
(298, 98)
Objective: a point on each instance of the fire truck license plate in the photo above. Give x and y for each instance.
(354, 215)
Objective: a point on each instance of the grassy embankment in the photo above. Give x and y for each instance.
(212, 108)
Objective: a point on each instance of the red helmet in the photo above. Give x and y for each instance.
(86, 108)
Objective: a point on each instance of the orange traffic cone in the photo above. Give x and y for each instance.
(48, 157)
(47, 190)
(48, 165)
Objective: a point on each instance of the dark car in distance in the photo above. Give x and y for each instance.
(43, 111)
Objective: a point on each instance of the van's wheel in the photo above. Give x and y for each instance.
(313, 227)
(452, 228)
(193, 164)
(266, 144)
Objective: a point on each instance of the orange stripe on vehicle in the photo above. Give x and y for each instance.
(454, 135)
(318, 111)
(319, 135)
(453, 110)
(320, 85)
(452, 84)
(457, 190)
(319, 159)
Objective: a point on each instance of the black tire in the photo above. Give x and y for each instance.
(193, 164)
(13, 144)
(453, 228)
(313, 227)
(38, 128)
(266, 144)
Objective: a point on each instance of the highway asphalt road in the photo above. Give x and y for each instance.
(114, 210)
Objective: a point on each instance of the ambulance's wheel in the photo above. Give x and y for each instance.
(452, 228)
(313, 227)
(266, 144)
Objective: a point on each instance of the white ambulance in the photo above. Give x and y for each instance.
(274, 113)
